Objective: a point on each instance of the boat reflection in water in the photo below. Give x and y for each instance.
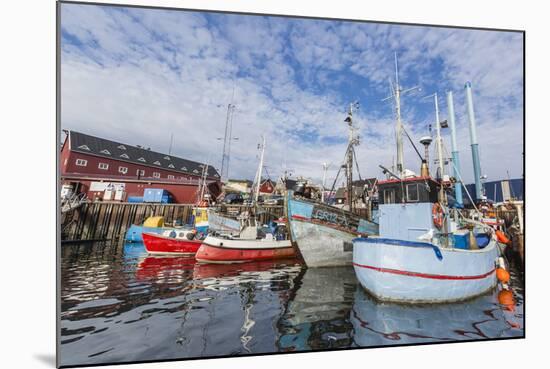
(377, 323)
(119, 304)
(318, 310)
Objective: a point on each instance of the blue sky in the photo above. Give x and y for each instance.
(139, 75)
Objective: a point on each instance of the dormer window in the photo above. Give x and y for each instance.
(142, 159)
(105, 151)
(122, 147)
(171, 166)
(157, 162)
(125, 156)
(184, 169)
(84, 147)
(195, 171)
(167, 157)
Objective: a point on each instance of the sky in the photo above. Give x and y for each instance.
(140, 76)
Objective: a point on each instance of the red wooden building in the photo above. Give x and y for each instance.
(92, 164)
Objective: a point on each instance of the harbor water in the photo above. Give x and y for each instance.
(119, 304)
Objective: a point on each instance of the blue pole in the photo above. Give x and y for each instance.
(473, 140)
(456, 166)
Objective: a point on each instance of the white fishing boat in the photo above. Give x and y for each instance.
(425, 252)
(413, 260)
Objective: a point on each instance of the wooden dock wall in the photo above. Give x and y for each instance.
(110, 220)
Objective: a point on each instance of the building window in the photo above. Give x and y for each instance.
(122, 147)
(167, 157)
(125, 156)
(156, 174)
(412, 192)
(123, 170)
(389, 196)
(170, 176)
(84, 147)
(81, 162)
(157, 162)
(140, 172)
(141, 159)
(103, 166)
(184, 169)
(105, 151)
(171, 166)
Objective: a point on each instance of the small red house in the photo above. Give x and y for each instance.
(92, 164)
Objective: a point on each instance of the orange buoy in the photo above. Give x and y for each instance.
(501, 237)
(506, 298)
(503, 275)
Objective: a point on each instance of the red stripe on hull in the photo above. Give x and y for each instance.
(426, 275)
(213, 254)
(156, 244)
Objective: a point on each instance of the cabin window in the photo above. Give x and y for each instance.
(156, 174)
(412, 192)
(123, 170)
(389, 196)
(170, 176)
(103, 166)
(81, 162)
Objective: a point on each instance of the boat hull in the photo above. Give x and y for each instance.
(157, 244)
(321, 245)
(417, 272)
(226, 251)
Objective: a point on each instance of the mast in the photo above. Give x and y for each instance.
(438, 138)
(325, 168)
(349, 153)
(399, 127)
(227, 142)
(259, 172)
(395, 94)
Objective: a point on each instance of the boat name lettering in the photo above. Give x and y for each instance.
(330, 217)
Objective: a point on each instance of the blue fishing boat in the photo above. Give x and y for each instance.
(323, 233)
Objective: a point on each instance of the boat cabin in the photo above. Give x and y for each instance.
(409, 190)
(405, 207)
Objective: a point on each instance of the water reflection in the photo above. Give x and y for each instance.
(119, 304)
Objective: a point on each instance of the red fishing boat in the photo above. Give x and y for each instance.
(172, 242)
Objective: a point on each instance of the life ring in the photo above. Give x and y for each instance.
(437, 215)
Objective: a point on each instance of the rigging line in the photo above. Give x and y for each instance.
(338, 174)
(460, 178)
(412, 143)
(356, 163)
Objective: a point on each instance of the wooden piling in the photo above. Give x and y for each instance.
(110, 220)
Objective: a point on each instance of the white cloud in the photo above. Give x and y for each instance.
(139, 75)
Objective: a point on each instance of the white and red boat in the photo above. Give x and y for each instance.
(246, 248)
(172, 242)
